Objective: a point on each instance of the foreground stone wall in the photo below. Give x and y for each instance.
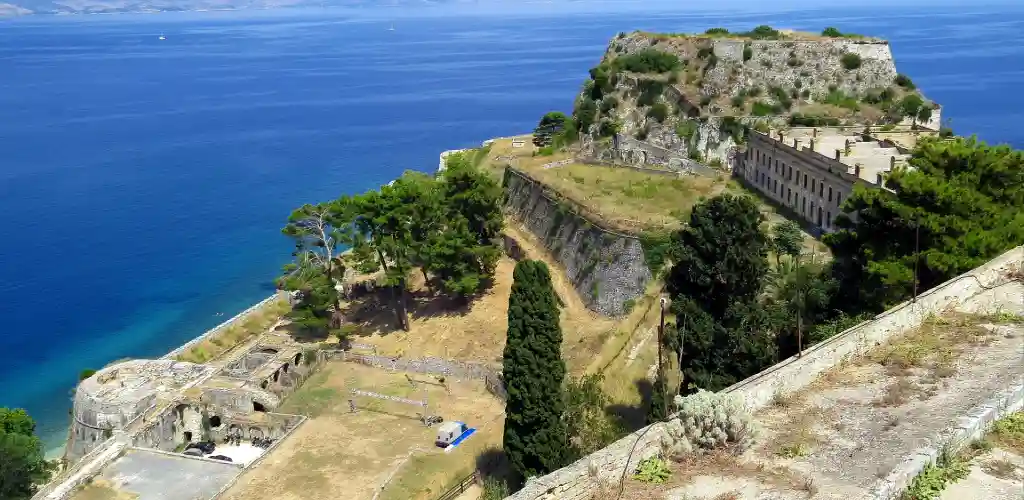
(582, 479)
(606, 268)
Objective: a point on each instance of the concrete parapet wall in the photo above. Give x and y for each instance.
(607, 268)
(578, 482)
(970, 427)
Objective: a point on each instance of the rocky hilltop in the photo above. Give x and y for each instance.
(695, 94)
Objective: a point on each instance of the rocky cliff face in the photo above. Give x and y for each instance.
(696, 94)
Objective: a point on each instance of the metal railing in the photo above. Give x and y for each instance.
(460, 488)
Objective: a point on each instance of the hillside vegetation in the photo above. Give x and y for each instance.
(696, 93)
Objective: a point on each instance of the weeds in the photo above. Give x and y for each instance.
(652, 470)
(1008, 432)
(949, 468)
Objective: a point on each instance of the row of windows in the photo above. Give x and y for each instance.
(787, 171)
(792, 200)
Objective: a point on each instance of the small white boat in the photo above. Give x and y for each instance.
(392, 28)
(163, 37)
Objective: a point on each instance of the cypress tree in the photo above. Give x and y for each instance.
(535, 440)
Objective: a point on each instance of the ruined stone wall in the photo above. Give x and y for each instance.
(434, 366)
(606, 268)
(580, 480)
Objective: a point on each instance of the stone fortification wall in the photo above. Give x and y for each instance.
(432, 366)
(580, 480)
(606, 268)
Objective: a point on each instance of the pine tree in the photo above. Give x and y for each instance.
(535, 438)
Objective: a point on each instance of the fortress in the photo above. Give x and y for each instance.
(132, 420)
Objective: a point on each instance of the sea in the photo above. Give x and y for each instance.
(144, 181)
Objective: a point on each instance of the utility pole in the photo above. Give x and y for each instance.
(661, 373)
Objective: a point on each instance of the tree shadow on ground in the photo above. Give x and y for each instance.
(634, 417)
(492, 463)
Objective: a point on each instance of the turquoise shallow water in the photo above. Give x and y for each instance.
(143, 183)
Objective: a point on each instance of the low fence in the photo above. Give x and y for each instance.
(460, 488)
(431, 366)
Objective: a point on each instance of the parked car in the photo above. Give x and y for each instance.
(220, 457)
(206, 447)
(193, 452)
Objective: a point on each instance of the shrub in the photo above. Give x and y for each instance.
(945, 132)
(649, 92)
(641, 135)
(659, 112)
(949, 468)
(761, 108)
(673, 78)
(800, 120)
(763, 32)
(716, 31)
(793, 62)
(839, 98)
(685, 129)
(704, 52)
(609, 103)
(905, 82)
(805, 93)
(754, 91)
(494, 489)
(832, 32)
(647, 61)
(652, 470)
(707, 421)
(705, 100)
(738, 101)
(762, 127)
(850, 61)
(609, 128)
(748, 52)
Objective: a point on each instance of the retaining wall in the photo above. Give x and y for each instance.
(188, 345)
(433, 366)
(580, 480)
(607, 268)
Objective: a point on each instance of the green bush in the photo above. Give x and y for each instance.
(704, 52)
(705, 100)
(754, 91)
(763, 32)
(738, 101)
(685, 129)
(609, 128)
(716, 31)
(761, 108)
(641, 134)
(650, 90)
(839, 98)
(652, 470)
(905, 81)
(949, 468)
(801, 120)
(609, 103)
(707, 421)
(659, 112)
(851, 61)
(748, 52)
(793, 62)
(647, 61)
(832, 32)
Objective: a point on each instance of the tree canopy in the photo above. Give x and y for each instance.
(447, 226)
(554, 129)
(720, 268)
(535, 439)
(960, 199)
(720, 256)
(22, 462)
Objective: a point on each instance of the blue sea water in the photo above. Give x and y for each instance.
(143, 183)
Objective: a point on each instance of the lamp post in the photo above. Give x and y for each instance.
(917, 252)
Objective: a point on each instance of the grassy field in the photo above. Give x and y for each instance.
(242, 330)
(339, 454)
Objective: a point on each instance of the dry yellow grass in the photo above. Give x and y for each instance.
(338, 454)
(630, 200)
(241, 331)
